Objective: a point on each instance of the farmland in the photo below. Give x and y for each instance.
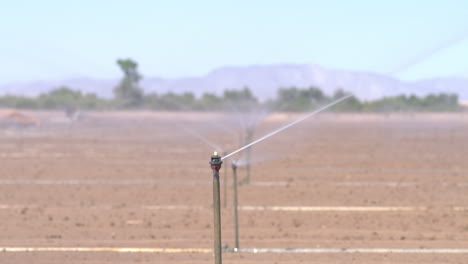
(136, 180)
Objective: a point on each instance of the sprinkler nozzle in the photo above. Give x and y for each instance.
(234, 165)
(216, 162)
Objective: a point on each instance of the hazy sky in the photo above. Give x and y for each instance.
(56, 39)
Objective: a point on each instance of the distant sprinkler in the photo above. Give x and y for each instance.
(216, 163)
(236, 218)
(249, 134)
(225, 185)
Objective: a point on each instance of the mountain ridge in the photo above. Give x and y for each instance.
(263, 80)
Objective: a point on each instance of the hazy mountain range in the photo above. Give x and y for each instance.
(263, 80)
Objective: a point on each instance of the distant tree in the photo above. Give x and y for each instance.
(128, 93)
(14, 101)
(240, 100)
(296, 99)
(403, 103)
(351, 104)
(239, 95)
(60, 98)
(210, 101)
(289, 99)
(64, 98)
(151, 101)
(315, 94)
(178, 102)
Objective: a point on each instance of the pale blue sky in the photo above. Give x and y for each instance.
(56, 39)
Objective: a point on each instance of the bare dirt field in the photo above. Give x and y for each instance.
(345, 188)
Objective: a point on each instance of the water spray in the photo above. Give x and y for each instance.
(248, 138)
(216, 163)
(289, 125)
(429, 53)
(197, 135)
(248, 124)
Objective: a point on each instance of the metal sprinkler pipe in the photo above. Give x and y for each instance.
(225, 185)
(248, 139)
(216, 163)
(236, 218)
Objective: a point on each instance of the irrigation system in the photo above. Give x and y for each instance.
(216, 163)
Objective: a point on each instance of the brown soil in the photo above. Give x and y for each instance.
(134, 162)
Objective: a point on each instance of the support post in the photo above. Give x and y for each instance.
(225, 185)
(248, 139)
(216, 166)
(236, 218)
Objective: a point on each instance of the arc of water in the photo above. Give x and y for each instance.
(188, 109)
(240, 118)
(289, 125)
(197, 135)
(203, 139)
(428, 53)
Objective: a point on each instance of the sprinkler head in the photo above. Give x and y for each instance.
(216, 162)
(234, 165)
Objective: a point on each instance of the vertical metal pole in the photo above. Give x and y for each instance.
(216, 163)
(225, 185)
(248, 154)
(217, 218)
(249, 138)
(236, 218)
